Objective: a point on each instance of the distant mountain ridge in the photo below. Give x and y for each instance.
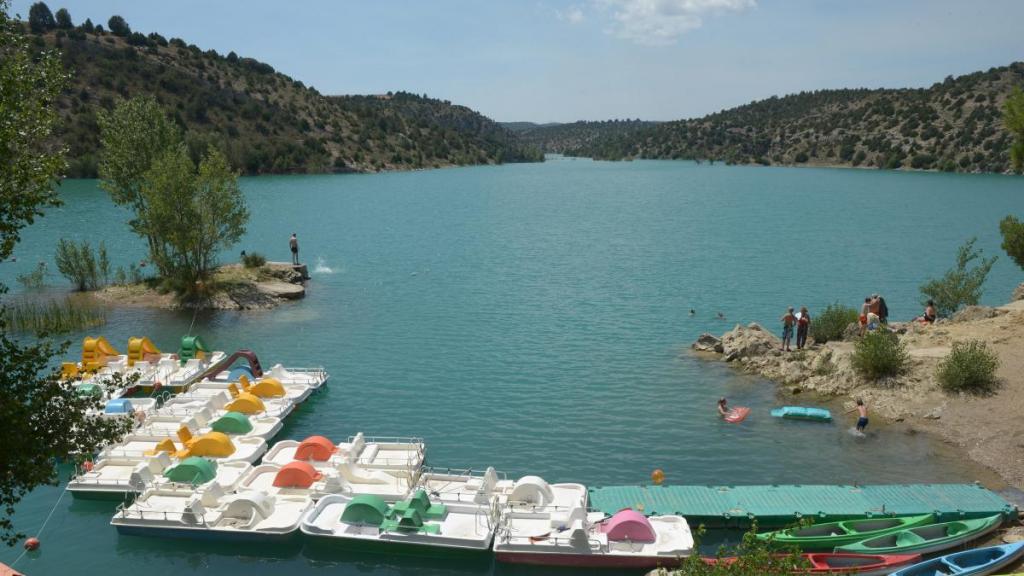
(265, 121)
(954, 125)
(568, 138)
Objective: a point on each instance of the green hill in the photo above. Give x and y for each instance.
(954, 125)
(568, 138)
(264, 120)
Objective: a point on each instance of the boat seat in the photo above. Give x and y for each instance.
(356, 474)
(370, 452)
(564, 519)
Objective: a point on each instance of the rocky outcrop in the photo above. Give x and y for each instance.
(283, 290)
(708, 343)
(1018, 293)
(973, 313)
(749, 341)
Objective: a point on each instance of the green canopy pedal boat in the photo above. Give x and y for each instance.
(829, 536)
(926, 539)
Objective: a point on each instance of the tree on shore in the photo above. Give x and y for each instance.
(132, 136)
(1013, 119)
(1012, 230)
(186, 213)
(44, 419)
(961, 285)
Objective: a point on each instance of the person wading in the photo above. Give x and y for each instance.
(293, 243)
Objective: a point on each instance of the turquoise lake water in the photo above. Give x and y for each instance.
(535, 318)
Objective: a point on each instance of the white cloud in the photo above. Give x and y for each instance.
(572, 15)
(661, 22)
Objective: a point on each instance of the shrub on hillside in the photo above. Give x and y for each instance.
(254, 260)
(879, 354)
(969, 367)
(832, 322)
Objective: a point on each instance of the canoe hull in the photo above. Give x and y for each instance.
(588, 560)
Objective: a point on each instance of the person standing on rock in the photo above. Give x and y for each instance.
(293, 243)
(803, 325)
(788, 320)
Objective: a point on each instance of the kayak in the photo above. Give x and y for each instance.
(926, 539)
(803, 413)
(830, 535)
(977, 562)
(737, 415)
(835, 563)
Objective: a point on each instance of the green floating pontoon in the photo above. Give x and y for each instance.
(780, 505)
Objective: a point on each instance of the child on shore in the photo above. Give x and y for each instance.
(788, 320)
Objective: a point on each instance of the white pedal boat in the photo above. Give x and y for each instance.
(416, 525)
(202, 421)
(373, 453)
(210, 514)
(573, 537)
(466, 486)
(265, 387)
(214, 445)
(116, 477)
(300, 477)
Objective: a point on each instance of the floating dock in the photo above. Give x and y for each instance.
(780, 505)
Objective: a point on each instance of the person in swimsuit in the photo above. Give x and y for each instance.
(293, 244)
(788, 320)
(864, 311)
(929, 315)
(723, 407)
(862, 421)
(803, 325)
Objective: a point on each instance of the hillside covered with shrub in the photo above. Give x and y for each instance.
(264, 121)
(566, 138)
(954, 125)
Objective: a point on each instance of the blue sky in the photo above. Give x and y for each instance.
(566, 60)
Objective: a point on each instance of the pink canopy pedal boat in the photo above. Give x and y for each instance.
(574, 537)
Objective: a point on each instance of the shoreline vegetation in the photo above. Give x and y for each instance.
(230, 287)
(955, 125)
(984, 426)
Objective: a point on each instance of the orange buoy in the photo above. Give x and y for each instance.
(87, 465)
(658, 476)
(32, 544)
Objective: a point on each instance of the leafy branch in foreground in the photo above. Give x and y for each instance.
(751, 557)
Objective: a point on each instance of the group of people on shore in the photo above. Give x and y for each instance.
(801, 321)
(874, 313)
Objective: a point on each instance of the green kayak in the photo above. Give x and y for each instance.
(830, 535)
(925, 539)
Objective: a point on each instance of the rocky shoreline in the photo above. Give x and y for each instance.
(235, 288)
(987, 428)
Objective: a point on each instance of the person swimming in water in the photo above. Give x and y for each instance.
(721, 316)
(723, 407)
(862, 410)
(692, 311)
